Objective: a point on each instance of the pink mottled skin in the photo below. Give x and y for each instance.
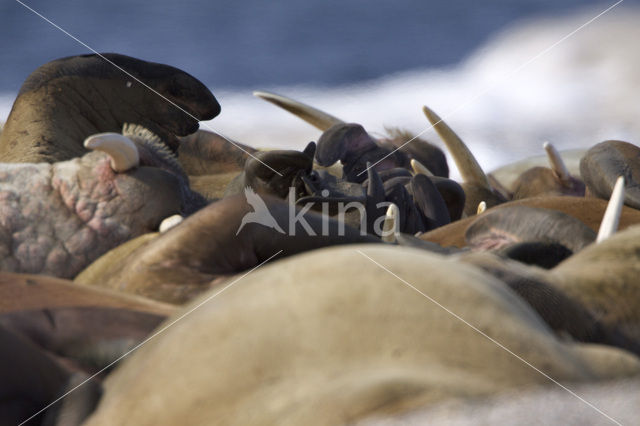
(57, 218)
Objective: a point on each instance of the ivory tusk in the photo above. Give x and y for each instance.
(319, 119)
(556, 163)
(482, 206)
(611, 217)
(419, 168)
(390, 225)
(467, 164)
(121, 149)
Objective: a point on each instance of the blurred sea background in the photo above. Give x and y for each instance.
(491, 69)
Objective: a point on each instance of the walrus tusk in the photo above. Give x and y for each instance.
(170, 222)
(319, 119)
(419, 168)
(482, 206)
(611, 217)
(390, 225)
(468, 166)
(121, 149)
(557, 164)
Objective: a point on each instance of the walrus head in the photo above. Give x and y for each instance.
(66, 100)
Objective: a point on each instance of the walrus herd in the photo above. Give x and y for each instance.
(158, 274)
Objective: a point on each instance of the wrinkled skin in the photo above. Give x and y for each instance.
(66, 100)
(185, 261)
(57, 218)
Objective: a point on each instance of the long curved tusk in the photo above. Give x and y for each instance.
(311, 115)
(556, 162)
(419, 168)
(390, 225)
(482, 207)
(467, 164)
(123, 152)
(611, 217)
(169, 223)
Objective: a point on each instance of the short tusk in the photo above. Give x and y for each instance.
(482, 206)
(611, 217)
(556, 162)
(311, 115)
(419, 168)
(170, 222)
(468, 166)
(390, 225)
(121, 149)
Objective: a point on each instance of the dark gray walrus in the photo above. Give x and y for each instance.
(66, 100)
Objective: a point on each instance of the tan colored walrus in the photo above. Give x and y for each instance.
(329, 337)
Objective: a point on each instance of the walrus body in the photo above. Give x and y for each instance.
(213, 243)
(328, 337)
(587, 210)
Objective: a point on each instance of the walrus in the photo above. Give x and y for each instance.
(604, 162)
(329, 337)
(394, 145)
(544, 181)
(587, 210)
(31, 380)
(212, 161)
(212, 244)
(57, 218)
(66, 100)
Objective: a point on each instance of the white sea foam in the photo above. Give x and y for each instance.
(579, 93)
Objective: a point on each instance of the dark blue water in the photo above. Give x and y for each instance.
(258, 43)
